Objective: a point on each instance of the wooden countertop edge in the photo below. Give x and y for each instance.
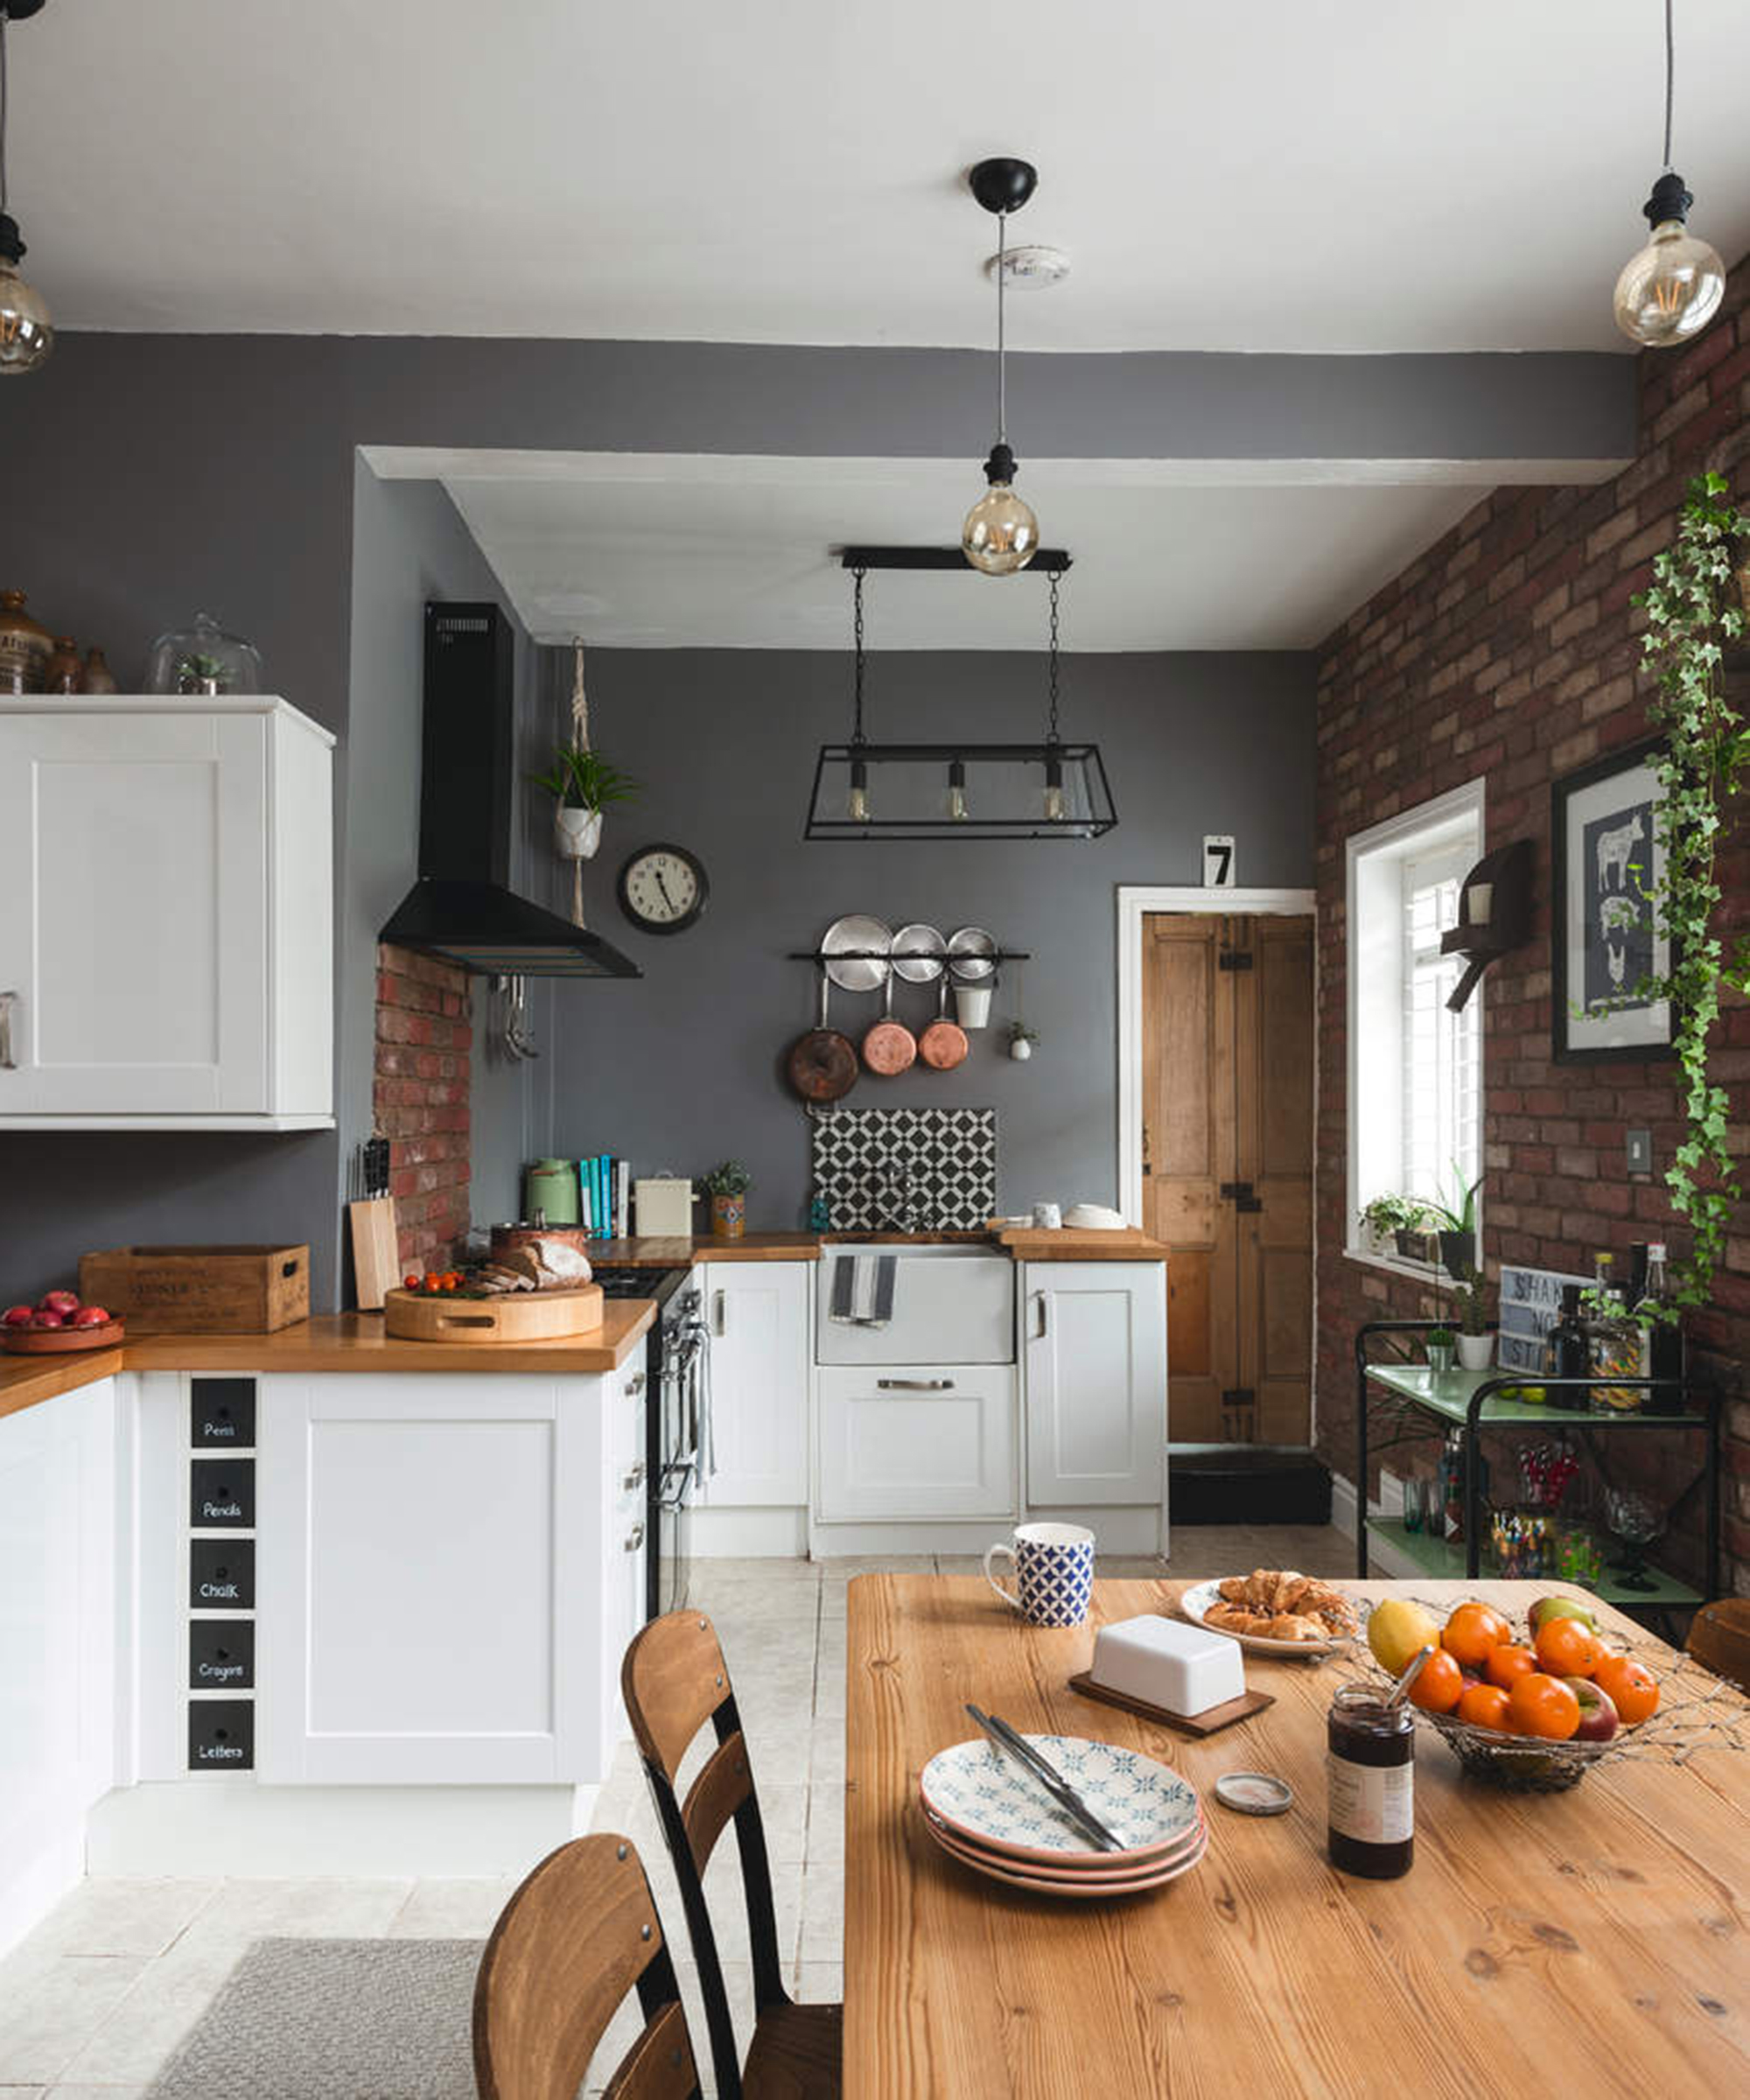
(345, 1341)
(1024, 1242)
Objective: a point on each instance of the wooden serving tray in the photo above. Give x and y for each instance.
(1209, 1723)
(61, 1341)
(517, 1316)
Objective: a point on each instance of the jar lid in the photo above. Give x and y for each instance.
(1254, 1794)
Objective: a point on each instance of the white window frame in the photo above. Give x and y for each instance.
(1374, 975)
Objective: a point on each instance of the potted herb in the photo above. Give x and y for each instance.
(582, 784)
(200, 674)
(1412, 1235)
(1456, 1224)
(1476, 1336)
(727, 1185)
(1021, 1041)
(1381, 1219)
(1439, 1345)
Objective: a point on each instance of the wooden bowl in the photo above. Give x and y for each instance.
(57, 1341)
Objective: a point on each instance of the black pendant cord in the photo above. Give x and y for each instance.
(1002, 342)
(1670, 73)
(6, 16)
(857, 576)
(1052, 735)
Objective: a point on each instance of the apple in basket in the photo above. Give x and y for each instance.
(90, 1316)
(18, 1316)
(1598, 1720)
(64, 1302)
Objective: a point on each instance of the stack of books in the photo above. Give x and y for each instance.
(605, 1197)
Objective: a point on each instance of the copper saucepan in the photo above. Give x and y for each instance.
(890, 1046)
(943, 1043)
(823, 1064)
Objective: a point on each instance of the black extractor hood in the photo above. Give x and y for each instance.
(462, 909)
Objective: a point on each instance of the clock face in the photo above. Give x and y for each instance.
(662, 889)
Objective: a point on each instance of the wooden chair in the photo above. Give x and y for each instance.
(1719, 1640)
(674, 1680)
(574, 1938)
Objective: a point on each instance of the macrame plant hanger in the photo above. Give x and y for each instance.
(580, 737)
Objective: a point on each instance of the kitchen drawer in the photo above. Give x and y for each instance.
(221, 1735)
(221, 1574)
(221, 1413)
(221, 1494)
(920, 1441)
(221, 1654)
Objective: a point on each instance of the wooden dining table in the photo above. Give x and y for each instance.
(1560, 1945)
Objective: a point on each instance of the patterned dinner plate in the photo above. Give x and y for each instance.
(1194, 1601)
(1086, 1888)
(1114, 1867)
(990, 1798)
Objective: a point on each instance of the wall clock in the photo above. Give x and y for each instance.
(663, 889)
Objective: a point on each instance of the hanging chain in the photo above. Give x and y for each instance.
(1670, 69)
(1050, 734)
(5, 16)
(856, 630)
(1002, 344)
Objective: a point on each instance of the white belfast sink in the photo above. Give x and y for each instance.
(954, 1302)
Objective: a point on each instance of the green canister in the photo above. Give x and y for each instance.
(550, 1192)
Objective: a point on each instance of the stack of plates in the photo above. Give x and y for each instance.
(985, 1808)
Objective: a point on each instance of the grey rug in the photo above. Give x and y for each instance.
(334, 2019)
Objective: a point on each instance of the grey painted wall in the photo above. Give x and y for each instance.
(685, 1066)
(161, 474)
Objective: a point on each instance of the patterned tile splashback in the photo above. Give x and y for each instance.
(922, 1170)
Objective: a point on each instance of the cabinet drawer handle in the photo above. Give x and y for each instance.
(719, 1314)
(1044, 1316)
(635, 1477)
(8, 1001)
(914, 1385)
(635, 1383)
(634, 1539)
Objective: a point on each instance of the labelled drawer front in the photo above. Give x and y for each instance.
(221, 1413)
(917, 1440)
(221, 1494)
(221, 1735)
(221, 1654)
(221, 1574)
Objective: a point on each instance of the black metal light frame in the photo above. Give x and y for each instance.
(1078, 769)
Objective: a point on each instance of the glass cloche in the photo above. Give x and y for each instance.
(203, 659)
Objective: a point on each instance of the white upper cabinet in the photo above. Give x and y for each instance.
(1094, 1359)
(166, 915)
(758, 1317)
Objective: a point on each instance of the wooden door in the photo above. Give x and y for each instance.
(1227, 1168)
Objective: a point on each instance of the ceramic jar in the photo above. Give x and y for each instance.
(26, 647)
(729, 1216)
(97, 677)
(60, 673)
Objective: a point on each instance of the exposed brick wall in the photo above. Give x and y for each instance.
(423, 1037)
(1510, 650)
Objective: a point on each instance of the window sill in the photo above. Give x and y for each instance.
(1422, 1272)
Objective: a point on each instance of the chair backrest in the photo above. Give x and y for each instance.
(1719, 1638)
(674, 1680)
(578, 1935)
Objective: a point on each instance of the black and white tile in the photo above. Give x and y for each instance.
(934, 1169)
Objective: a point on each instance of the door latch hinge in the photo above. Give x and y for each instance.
(1234, 958)
(1238, 1396)
(1241, 1195)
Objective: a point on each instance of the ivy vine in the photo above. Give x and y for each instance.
(1693, 614)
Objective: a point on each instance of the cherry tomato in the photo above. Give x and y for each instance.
(410, 1282)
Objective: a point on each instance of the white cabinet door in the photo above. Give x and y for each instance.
(1095, 1362)
(58, 1514)
(428, 1593)
(917, 1441)
(757, 1313)
(165, 914)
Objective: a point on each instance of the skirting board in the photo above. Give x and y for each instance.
(1383, 1558)
(1126, 1530)
(202, 1827)
(749, 1534)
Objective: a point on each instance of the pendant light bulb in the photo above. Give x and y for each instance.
(26, 331)
(957, 809)
(1053, 785)
(1672, 289)
(857, 802)
(1000, 534)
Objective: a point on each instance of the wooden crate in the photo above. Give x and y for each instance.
(200, 1289)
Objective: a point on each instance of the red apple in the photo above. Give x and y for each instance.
(1598, 1711)
(89, 1316)
(43, 1317)
(58, 1301)
(16, 1316)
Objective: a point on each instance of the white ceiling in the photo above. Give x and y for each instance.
(656, 551)
(1294, 175)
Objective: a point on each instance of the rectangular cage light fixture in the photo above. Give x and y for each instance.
(1004, 791)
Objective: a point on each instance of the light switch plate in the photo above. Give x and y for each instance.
(1639, 1149)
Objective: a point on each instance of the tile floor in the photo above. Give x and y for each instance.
(92, 2002)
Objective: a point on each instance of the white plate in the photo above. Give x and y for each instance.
(1084, 1888)
(1197, 1600)
(984, 1795)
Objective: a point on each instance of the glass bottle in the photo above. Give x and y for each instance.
(1613, 1343)
(1567, 1351)
(1370, 1771)
(1663, 1339)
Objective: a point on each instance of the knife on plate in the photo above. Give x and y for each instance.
(1050, 1778)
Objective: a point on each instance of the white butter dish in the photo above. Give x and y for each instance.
(1165, 1663)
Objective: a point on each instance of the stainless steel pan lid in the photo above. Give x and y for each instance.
(857, 934)
(919, 954)
(971, 954)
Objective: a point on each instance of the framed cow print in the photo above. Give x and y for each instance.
(1609, 952)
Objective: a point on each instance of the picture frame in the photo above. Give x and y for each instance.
(1606, 861)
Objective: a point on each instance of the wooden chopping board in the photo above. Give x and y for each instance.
(518, 1316)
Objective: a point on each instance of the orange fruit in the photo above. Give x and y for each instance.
(1483, 1706)
(1508, 1663)
(1568, 1648)
(1540, 1705)
(1632, 1688)
(1474, 1632)
(1439, 1683)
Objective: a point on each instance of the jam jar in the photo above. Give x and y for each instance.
(1371, 1769)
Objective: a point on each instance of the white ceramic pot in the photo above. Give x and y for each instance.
(1020, 1049)
(1476, 1352)
(579, 832)
(972, 1005)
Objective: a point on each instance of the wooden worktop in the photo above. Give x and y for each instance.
(345, 1341)
(680, 1253)
(1024, 1242)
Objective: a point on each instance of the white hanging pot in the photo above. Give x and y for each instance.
(578, 831)
(972, 1005)
(1020, 1049)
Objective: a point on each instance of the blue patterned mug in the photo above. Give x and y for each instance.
(1053, 1572)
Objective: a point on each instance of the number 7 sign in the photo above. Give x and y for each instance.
(1218, 863)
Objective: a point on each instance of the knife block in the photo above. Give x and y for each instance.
(375, 1259)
